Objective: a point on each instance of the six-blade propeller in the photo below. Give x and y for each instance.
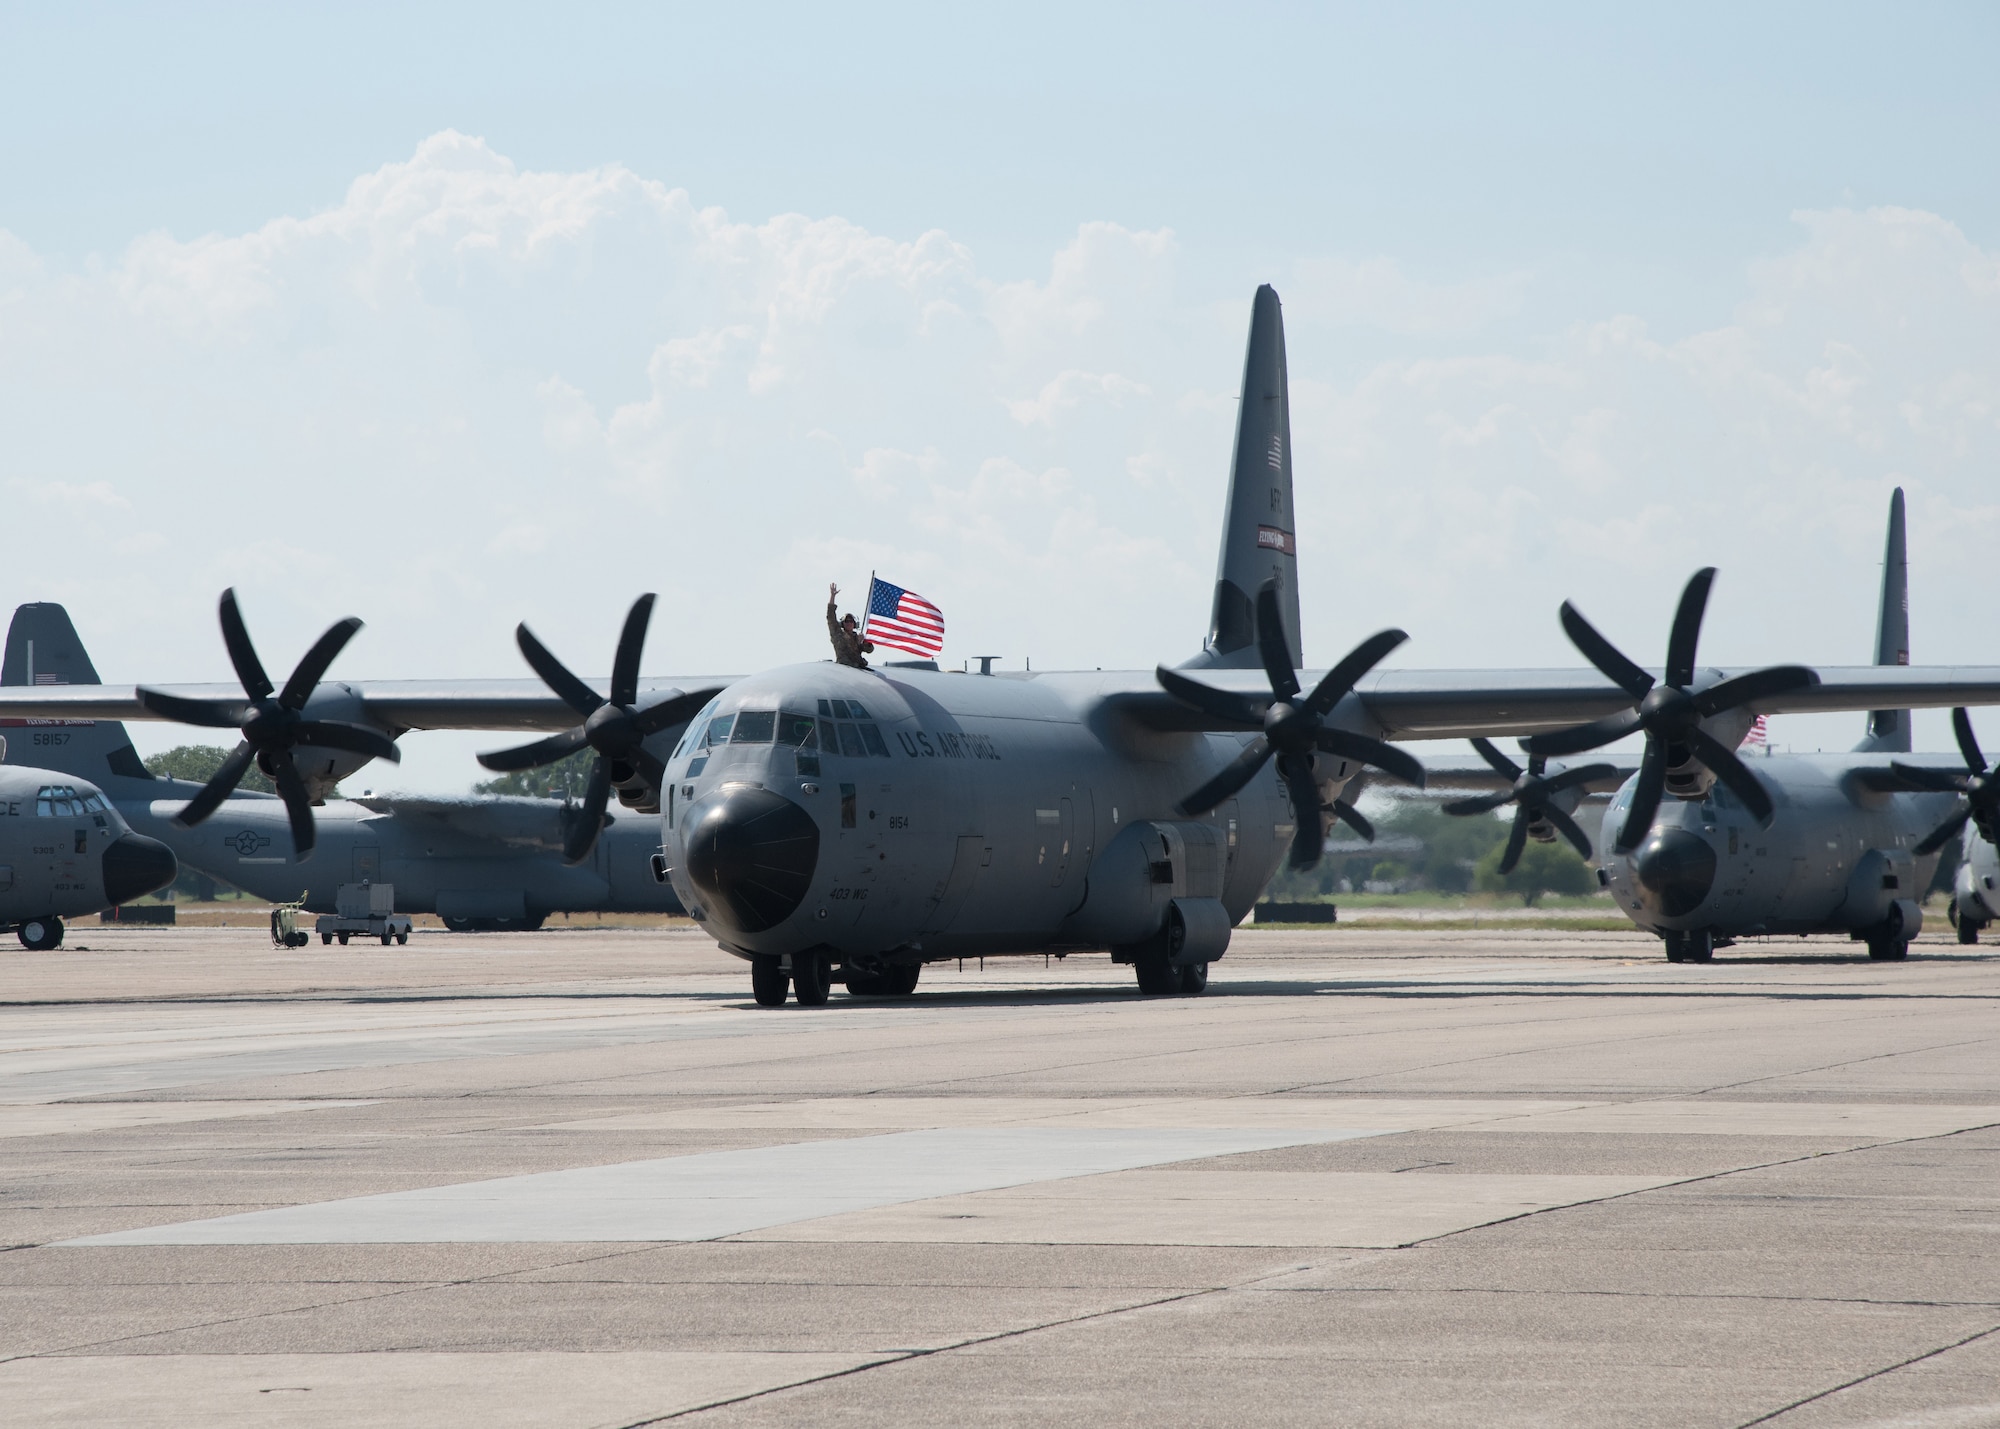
(1979, 784)
(616, 728)
(272, 725)
(1670, 712)
(1533, 796)
(1291, 727)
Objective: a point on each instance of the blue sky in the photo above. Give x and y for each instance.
(1578, 298)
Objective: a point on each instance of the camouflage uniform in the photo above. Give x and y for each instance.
(848, 646)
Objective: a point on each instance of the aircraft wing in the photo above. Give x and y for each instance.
(391, 704)
(1456, 704)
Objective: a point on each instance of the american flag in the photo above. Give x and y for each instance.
(1758, 739)
(902, 620)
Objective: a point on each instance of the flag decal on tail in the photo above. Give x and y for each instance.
(902, 620)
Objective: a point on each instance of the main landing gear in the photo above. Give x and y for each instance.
(1967, 928)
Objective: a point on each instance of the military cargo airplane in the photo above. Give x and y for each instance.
(64, 852)
(1975, 889)
(479, 863)
(827, 823)
(1843, 844)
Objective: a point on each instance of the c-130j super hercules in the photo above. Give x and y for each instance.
(831, 825)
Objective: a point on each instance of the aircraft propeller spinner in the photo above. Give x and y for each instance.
(272, 726)
(616, 728)
(1532, 796)
(1979, 784)
(1291, 728)
(1670, 711)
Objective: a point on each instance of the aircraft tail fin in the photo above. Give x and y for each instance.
(1889, 730)
(43, 649)
(1258, 532)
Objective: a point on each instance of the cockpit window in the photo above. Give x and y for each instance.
(854, 708)
(872, 737)
(691, 737)
(798, 729)
(61, 801)
(718, 729)
(754, 727)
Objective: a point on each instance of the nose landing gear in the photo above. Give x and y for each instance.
(810, 979)
(1695, 947)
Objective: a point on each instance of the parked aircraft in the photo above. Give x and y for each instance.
(1975, 889)
(65, 852)
(479, 863)
(827, 823)
(1805, 843)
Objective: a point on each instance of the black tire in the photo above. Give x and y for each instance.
(865, 985)
(402, 938)
(1699, 947)
(1676, 946)
(39, 935)
(299, 939)
(1886, 948)
(343, 939)
(1968, 931)
(768, 982)
(902, 980)
(1158, 977)
(1194, 979)
(325, 939)
(812, 979)
(458, 925)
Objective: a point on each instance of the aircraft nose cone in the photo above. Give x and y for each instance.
(1675, 870)
(752, 853)
(135, 865)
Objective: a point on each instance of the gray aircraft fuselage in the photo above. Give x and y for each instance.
(483, 861)
(66, 851)
(953, 815)
(1836, 858)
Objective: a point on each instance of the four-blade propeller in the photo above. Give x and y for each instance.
(1291, 727)
(1670, 712)
(1533, 796)
(272, 725)
(616, 728)
(1979, 784)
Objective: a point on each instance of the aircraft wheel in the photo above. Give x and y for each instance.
(812, 979)
(38, 935)
(768, 982)
(863, 985)
(1676, 946)
(1968, 931)
(1157, 976)
(1888, 948)
(902, 980)
(1699, 947)
(1194, 979)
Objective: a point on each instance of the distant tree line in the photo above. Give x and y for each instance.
(1454, 856)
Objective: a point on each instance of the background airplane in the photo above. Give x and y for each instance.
(1143, 811)
(478, 862)
(65, 852)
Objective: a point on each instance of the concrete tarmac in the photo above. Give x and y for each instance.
(1372, 1178)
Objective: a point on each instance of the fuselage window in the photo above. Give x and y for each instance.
(850, 741)
(754, 727)
(872, 737)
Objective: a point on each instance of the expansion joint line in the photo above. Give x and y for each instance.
(1872, 1374)
(907, 1357)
